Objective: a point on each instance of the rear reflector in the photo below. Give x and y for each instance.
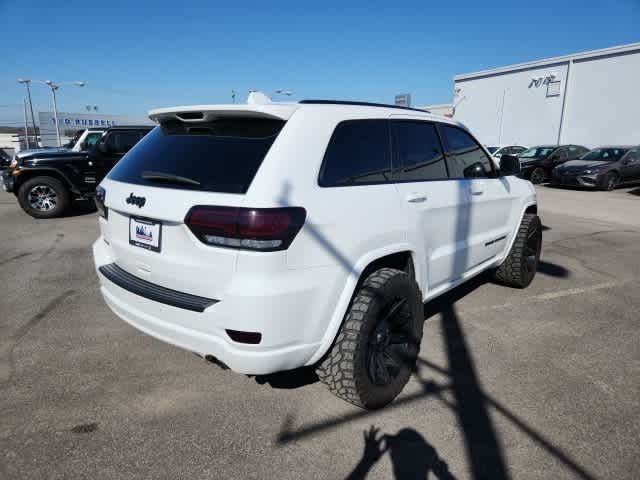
(263, 229)
(244, 337)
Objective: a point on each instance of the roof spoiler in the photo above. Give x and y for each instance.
(208, 113)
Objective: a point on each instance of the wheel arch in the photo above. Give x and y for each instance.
(401, 257)
(29, 173)
(529, 207)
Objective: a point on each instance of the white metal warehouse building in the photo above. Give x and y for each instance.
(590, 98)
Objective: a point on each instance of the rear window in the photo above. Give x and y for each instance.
(221, 156)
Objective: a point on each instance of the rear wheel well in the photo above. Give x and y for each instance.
(399, 261)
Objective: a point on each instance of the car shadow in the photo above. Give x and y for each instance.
(289, 379)
(80, 208)
(552, 269)
(466, 397)
(635, 191)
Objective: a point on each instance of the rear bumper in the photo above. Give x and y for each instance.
(291, 333)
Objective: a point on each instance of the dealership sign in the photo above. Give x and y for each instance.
(71, 122)
(84, 122)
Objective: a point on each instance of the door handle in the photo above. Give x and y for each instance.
(416, 198)
(477, 188)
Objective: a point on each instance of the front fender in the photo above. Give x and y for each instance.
(45, 171)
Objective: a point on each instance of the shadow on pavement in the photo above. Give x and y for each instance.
(289, 379)
(552, 269)
(79, 208)
(470, 403)
(411, 456)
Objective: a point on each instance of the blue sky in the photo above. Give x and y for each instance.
(139, 55)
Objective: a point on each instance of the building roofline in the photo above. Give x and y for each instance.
(551, 61)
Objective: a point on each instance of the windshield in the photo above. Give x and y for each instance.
(605, 154)
(92, 139)
(219, 156)
(538, 152)
(74, 139)
(492, 150)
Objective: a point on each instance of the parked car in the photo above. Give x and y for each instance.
(498, 151)
(46, 181)
(5, 159)
(85, 139)
(538, 162)
(604, 168)
(245, 233)
(82, 140)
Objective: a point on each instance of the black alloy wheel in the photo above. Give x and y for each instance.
(389, 345)
(537, 176)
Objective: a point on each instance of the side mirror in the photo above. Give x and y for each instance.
(509, 165)
(475, 170)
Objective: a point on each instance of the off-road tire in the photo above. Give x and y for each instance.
(344, 367)
(514, 272)
(63, 197)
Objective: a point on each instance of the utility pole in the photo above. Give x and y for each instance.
(26, 125)
(26, 82)
(54, 87)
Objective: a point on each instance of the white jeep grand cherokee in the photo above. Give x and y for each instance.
(268, 237)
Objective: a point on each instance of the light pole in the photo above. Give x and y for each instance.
(26, 125)
(26, 82)
(55, 86)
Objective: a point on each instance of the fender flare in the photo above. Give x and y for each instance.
(344, 300)
(69, 183)
(530, 202)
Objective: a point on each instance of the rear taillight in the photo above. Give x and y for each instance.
(263, 229)
(101, 194)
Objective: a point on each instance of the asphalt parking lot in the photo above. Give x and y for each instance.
(537, 384)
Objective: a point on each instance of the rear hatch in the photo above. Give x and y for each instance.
(164, 221)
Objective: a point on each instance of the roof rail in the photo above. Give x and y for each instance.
(362, 104)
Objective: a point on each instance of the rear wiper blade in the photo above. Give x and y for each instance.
(168, 177)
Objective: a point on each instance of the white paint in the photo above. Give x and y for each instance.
(297, 298)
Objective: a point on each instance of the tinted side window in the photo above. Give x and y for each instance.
(418, 154)
(465, 157)
(121, 142)
(575, 152)
(358, 152)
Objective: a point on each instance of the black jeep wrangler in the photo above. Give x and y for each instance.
(46, 182)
